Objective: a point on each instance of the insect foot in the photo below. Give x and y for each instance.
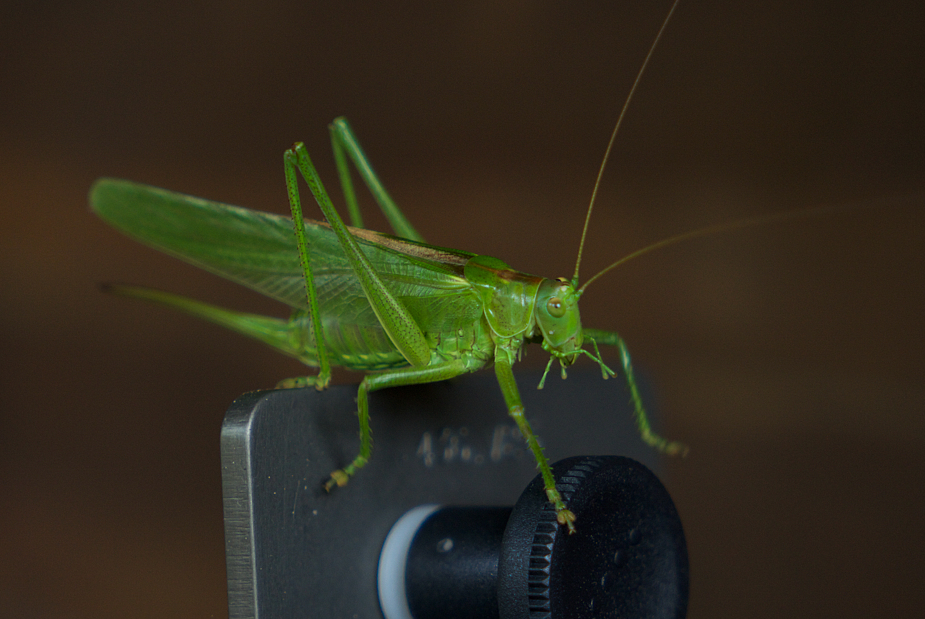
(564, 516)
(318, 382)
(672, 448)
(340, 477)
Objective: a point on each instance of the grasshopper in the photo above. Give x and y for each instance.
(401, 310)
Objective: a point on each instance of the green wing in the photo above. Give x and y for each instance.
(257, 249)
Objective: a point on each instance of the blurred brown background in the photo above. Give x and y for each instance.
(789, 357)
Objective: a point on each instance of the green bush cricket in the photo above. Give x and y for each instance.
(395, 307)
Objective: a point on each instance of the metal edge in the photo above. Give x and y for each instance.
(238, 505)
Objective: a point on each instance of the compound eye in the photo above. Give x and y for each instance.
(555, 307)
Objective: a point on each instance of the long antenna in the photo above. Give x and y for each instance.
(723, 227)
(613, 136)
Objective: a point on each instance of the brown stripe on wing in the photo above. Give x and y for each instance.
(411, 248)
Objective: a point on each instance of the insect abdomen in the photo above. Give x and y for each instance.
(368, 347)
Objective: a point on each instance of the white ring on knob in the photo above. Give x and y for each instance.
(394, 558)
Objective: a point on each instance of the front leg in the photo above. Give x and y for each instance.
(515, 408)
(652, 439)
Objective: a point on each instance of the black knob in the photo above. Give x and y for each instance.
(628, 557)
